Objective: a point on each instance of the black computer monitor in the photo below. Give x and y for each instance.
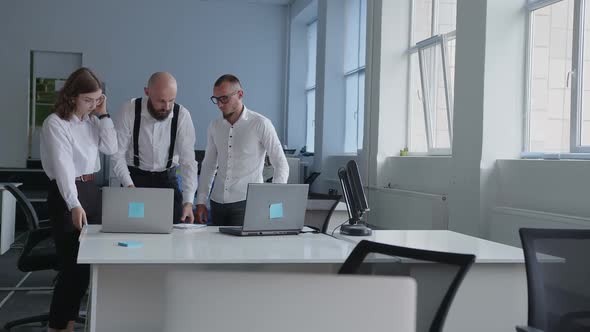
(356, 183)
(351, 207)
(356, 201)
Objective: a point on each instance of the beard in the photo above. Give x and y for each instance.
(160, 114)
(227, 115)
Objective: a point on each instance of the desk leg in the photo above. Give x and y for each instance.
(91, 312)
(7, 220)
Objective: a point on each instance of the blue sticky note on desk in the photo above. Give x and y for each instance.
(130, 244)
(136, 210)
(276, 211)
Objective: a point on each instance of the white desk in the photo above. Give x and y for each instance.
(7, 217)
(308, 302)
(493, 295)
(125, 281)
(130, 285)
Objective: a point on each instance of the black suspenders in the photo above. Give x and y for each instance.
(136, 124)
(136, 132)
(173, 127)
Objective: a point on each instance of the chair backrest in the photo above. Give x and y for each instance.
(435, 297)
(34, 256)
(311, 178)
(199, 156)
(558, 276)
(26, 207)
(319, 211)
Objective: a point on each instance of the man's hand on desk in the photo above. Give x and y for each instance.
(202, 214)
(187, 213)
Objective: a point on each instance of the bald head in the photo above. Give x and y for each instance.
(161, 78)
(161, 91)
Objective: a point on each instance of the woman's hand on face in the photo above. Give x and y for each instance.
(101, 106)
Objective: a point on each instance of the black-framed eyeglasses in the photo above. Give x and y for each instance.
(222, 99)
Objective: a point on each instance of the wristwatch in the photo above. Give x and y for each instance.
(102, 116)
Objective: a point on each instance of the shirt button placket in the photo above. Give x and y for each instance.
(229, 160)
(155, 142)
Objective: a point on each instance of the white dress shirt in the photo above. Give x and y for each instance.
(69, 149)
(154, 142)
(237, 153)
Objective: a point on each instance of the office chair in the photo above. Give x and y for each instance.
(319, 211)
(311, 178)
(199, 156)
(435, 294)
(558, 276)
(38, 253)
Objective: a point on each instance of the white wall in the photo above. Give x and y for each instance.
(330, 93)
(300, 6)
(504, 98)
(302, 13)
(422, 174)
(125, 41)
(464, 191)
(539, 193)
(386, 88)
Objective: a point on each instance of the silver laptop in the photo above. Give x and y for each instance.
(272, 209)
(137, 210)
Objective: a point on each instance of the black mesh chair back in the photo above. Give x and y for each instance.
(39, 250)
(320, 208)
(311, 178)
(199, 156)
(26, 207)
(438, 275)
(38, 253)
(558, 279)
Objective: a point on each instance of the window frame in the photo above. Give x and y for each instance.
(574, 78)
(357, 71)
(309, 89)
(442, 42)
(417, 47)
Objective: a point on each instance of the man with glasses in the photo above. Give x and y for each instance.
(155, 136)
(237, 144)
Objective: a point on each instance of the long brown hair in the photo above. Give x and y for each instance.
(83, 80)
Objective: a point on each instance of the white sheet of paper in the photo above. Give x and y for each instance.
(189, 226)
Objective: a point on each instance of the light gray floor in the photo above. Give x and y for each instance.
(24, 303)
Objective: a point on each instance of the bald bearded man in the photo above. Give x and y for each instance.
(156, 135)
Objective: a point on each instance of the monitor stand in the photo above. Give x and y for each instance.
(355, 230)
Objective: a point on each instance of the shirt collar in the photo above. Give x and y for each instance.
(245, 114)
(76, 119)
(243, 117)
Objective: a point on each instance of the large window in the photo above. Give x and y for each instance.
(312, 33)
(354, 73)
(432, 71)
(558, 89)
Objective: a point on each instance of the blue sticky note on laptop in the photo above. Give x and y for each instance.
(136, 210)
(276, 211)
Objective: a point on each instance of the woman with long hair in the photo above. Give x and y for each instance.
(71, 139)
